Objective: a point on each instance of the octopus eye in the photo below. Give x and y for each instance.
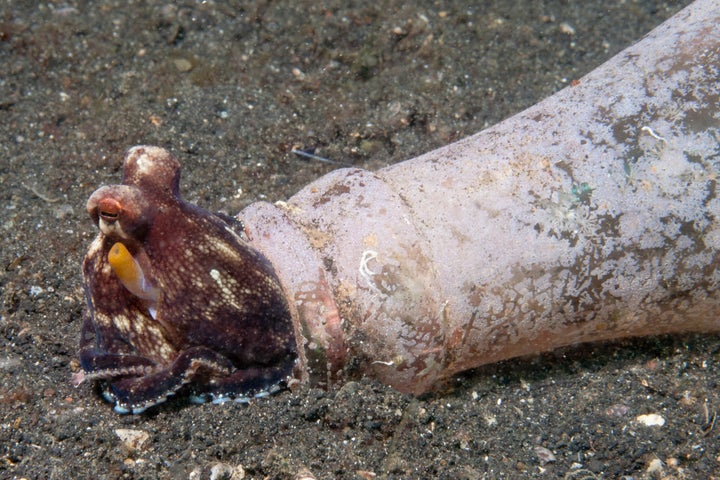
(109, 209)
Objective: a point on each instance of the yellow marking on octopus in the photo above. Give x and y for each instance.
(130, 274)
(128, 271)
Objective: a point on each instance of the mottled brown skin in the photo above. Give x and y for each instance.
(222, 327)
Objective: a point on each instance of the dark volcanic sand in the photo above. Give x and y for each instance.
(230, 89)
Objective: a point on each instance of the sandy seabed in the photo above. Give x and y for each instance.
(230, 88)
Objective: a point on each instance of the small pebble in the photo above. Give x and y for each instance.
(223, 471)
(617, 410)
(132, 439)
(655, 466)
(183, 64)
(567, 29)
(651, 420)
(544, 455)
